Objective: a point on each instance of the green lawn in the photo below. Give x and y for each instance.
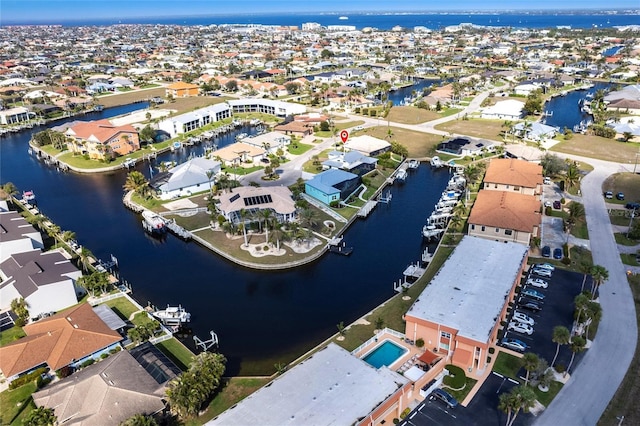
(141, 318)
(623, 240)
(177, 352)
(621, 217)
(507, 365)
(234, 391)
(12, 401)
(122, 307)
(460, 395)
(545, 398)
(629, 259)
(11, 335)
(299, 148)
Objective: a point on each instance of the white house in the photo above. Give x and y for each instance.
(270, 141)
(278, 199)
(188, 178)
(535, 131)
(17, 235)
(368, 145)
(266, 106)
(509, 109)
(14, 115)
(46, 281)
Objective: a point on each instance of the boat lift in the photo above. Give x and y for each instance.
(206, 344)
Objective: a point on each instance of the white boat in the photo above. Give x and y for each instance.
(413, 164)
(29, 197)
(129, 162)
(343, 18)
(437, 162)
(153, 223)
(401, 175)
(172, 315)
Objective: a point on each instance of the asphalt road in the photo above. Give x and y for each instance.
(592, 385)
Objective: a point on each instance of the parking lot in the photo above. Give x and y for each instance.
(557, 309)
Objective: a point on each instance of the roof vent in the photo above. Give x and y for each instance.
(75, 325)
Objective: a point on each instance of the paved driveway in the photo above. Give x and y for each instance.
(585, 397)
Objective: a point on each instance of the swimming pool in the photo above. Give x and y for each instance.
(384, 354)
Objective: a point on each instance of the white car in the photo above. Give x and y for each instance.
(542, 272)
(545, 266)
(537, 282)
(519, 327)
(523, 318)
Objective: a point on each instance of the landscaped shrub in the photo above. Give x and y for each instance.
(65, 371)
(456, 378)
(492, 350)
(27, 378)
(547, 210)
(560, 368)
(419, 342)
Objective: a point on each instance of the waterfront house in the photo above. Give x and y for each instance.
(509, 109)
(535, 131)
(46, 280)
(331, 387)
(188, 178)
(240, 153)
(194, 120)
(67, 338)
(14, 115)
(297, 128)
(133, 381)
(266, 106)
(353, 162)
(505, 216)
(465, 146)
(101, 139)
(513, 175)
(270, 141)
(332, 185)
(17, 235)
(459, 314)
(367, 145)
(180, 89)
(250, 200)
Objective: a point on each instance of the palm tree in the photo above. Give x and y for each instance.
(520, 397)
(140, 420)
(278, 233)
(585, 266)
(593, 313)
(265, 214)
(561, 336)
(41, 416)
(572, 176)
(577, 345)
(599, 274)
(308, 218)
(68, 235)
(243, 216)
(210, 175)
(460, 209)
(530, 362)
(580, 301)
(136, 182)
(10, 190)
(85, 256)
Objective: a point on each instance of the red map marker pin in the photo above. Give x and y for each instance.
(344, 135)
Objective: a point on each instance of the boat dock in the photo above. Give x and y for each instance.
(337, 245)
(367, 208)
(177, 230)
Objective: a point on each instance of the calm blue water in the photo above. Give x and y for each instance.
(385, 354)
(566, 110)
(266, 317)
(383, 21)
(399, 97)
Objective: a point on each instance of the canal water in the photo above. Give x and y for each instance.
(404, 94)
(262, 318)
(567, 109)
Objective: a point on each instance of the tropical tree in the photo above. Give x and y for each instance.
(585, 266)
(599, 275)
(308, 218)
(265, 215)
(94, 282)
(572, 176)
(243, 216)
(10, 191)
(210, 175)
(577, 345)
(580, 303)
(341, 328)
(136, 182)
(561, 336)
(41, 416)
(85, 257)
(530, 363)
(277, 233)
(460, 209)
(520, 397)
(68, 235)
(20, 307)
(140, 420)
(552, 165)
(592, 313)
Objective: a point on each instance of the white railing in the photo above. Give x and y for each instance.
(376, 337)
(103, 299)
(155, 340)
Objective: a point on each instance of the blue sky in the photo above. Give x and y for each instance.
(64, 10)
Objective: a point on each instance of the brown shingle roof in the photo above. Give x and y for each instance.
(69, 335)
(511, 171)
(506, 210)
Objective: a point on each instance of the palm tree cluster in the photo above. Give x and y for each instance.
(138, 183)
(139, 420)
(19, 307)
(41, 416)
(96, 282)
(191, 389)
(520, 398)
(143, 332)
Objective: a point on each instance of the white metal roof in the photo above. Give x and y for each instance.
(331, 388)
(470, 290)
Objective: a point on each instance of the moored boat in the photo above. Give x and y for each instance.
(172, 315)
(29, 197)
(153, 223)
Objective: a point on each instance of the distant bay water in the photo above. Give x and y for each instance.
(386, 21)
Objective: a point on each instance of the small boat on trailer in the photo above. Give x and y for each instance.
(172, 316)
(153, 223)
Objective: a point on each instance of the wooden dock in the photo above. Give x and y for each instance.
(367, 208)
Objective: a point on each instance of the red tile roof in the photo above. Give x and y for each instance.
(510, 171)
(506, 210)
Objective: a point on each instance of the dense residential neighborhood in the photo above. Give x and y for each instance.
(496, 317)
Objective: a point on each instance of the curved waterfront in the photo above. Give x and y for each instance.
(261, 317)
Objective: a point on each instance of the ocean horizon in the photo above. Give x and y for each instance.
(382, 20)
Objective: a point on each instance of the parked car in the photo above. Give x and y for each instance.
(546, 251)
(529, 292)
(444, 396)
(542, 272)
(620, 195)
(523, 318)
(514, 344)
(519, 327)
(548, 266)
(633, 206)
(557, 253)
(557, 205)
(547, 203)
(537, 282)
(530, 305)
(546, 180)
(608, 195)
